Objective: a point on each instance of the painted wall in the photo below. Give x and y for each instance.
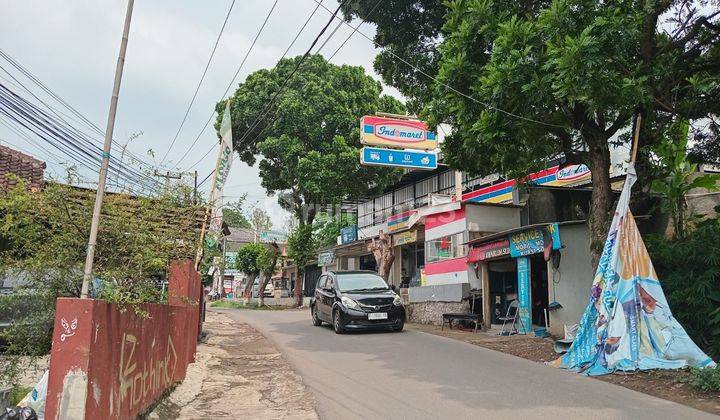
(574, 278)
(112, 364)
(491, 219)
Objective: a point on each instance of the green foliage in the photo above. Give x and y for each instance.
(260, 220)
(410, 29)
(689, 269)
(233, 214)
(678, 175)
(266, 261)
(707, 380)
(17, 393)
(301, 247)
(43, 238)
(247, 259)
(308, 144)
(326, 228)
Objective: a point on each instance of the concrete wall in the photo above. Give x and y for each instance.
(439, 293)
(431, 312)
(486, 218)
(110, 363)
(574, 277)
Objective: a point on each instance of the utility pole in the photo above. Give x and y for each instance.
(195, 195)
(87, 275)
(168, 176)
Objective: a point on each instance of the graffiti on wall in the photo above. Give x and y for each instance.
(137, 382)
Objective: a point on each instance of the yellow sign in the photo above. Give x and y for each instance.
(405, 237)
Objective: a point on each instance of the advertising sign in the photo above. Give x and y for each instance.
(535, 241)
(399, 221)
(524, 308)
(326, 258)
(403, 238)
(272, 236)
(407, 134)
(399, 158)
(348, 234)
(488, 251)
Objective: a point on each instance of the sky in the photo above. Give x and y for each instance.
(72, 47)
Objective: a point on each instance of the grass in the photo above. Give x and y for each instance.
(233, 304)
(17, 393)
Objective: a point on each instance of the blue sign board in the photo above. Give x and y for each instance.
(348, 234)
(534, 241)
(524, 308)
(401, 158)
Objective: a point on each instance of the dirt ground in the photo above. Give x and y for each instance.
(666, 384)
(237, 374)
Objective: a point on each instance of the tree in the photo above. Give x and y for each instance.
(267, 264)
(259, 220)
(247, 262)
(233, 214)
(411, 29)
(327, 228)
(301, 249)
(680, 176)
(382, 250)
(524, 82)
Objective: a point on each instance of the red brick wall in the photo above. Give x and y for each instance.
(108, 363)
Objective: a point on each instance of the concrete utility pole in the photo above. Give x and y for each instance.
(87, 275)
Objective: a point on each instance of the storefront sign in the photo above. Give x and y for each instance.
(407, 134)
(403, 238)
(375, 156)
(348, 234)
(535, 241)
(272, 236)
(326, 258)
(524, 307)
(400, 221)
(489, 251)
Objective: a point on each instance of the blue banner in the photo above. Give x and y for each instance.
(524, 307)
(400, 158)
(348, 234)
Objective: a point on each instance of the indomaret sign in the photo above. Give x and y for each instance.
(397, 133)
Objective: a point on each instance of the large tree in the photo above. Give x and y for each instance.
(301, 121)
(410, 29)
(524, 82)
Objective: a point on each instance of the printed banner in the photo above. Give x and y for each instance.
(407, 237)
(375, 156)
(222, 169)
(524, 306)
(404, 134)
(628, 324)
(535, 241)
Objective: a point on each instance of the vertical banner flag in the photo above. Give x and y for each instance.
(222, 168)
(627, 324)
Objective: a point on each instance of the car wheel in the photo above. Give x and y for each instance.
(337, 322)
(399, 326)
(315, 319)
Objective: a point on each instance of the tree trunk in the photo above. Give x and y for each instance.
(601, 199)
(261, 288)
(247, 292)
(299, 287)
(383, 252)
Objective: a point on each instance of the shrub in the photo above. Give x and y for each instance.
(689, 269)
(707, 380)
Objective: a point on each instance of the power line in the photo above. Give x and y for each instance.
(354, 30)
(419, 70)
(242, 63)
(197, 89)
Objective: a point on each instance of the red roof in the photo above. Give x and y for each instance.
(22, 165)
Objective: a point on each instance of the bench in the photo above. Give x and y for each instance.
(450, 317)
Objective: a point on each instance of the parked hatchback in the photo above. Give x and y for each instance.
(355, 300)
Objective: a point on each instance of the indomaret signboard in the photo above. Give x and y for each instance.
(397, 133)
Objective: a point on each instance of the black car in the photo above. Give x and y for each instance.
(355, 300)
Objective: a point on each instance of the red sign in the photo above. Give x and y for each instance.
(489, 251)
(410, 134)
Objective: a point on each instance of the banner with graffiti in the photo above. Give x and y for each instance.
(222, 169)
(628, 324)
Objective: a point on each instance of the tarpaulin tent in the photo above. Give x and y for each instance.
(628, 324)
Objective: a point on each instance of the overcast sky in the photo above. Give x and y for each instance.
(72, 46)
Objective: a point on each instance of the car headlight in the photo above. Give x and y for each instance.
(397, 301)
(349, 302)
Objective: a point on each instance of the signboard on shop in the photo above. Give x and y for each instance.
(400, 221)
(404, 238)
(326, 258)
(398, 133)
(489, 251)
(535, 241)
(375, 156)
(348, 234)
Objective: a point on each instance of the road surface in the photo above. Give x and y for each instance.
(413, 375)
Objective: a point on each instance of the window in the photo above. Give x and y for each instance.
(445, 248)
(361, 281)
(321, 282)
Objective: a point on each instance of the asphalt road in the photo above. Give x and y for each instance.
(412, 375)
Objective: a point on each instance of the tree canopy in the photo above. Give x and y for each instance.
(233, 214)
(306, 135)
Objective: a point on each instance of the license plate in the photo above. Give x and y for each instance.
(378, 315)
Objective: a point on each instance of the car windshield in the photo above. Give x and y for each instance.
(360, 281)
